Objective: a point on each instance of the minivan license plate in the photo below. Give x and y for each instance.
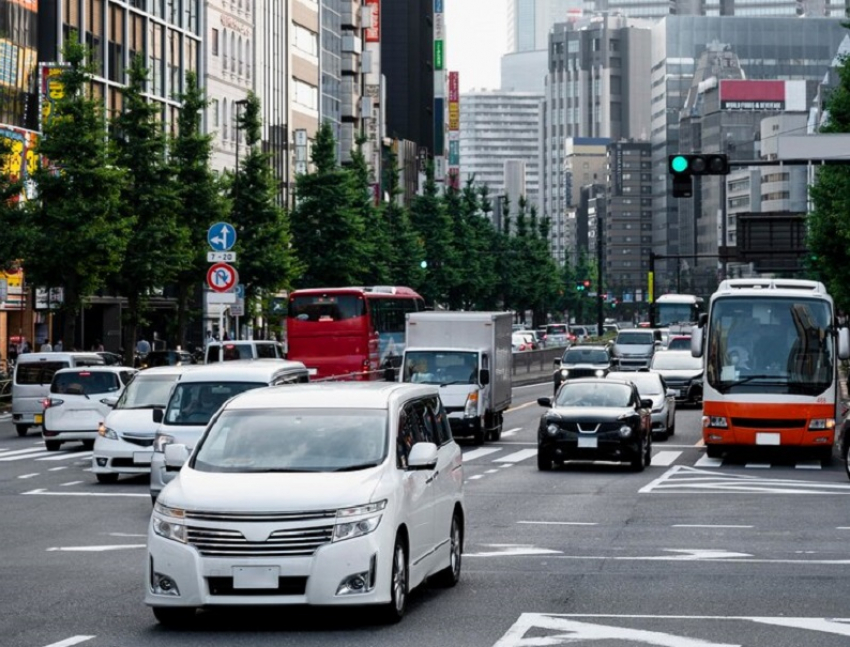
(255, 577)
(38, 418)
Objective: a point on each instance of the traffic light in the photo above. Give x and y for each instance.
(684, 167)
(580, 286)
(586, 284)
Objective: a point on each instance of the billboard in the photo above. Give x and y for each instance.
(21, 161)
(373, 33)
(454, 86)
(439, 126)
(17, 65)
(780, 96)
(51, 89)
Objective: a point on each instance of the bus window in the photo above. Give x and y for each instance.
(326, 308)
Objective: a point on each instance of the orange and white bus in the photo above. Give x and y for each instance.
(771, 350)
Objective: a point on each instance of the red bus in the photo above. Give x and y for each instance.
(353, 332)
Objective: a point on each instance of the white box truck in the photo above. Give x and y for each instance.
(469, 355)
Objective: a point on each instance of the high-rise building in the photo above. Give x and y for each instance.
(19, 42)
(661, 8)
(497, 128)
(529, 21)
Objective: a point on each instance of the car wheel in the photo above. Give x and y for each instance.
(496, 430)
(714, 451)
(52, 445)
(393, 611)
(174, 617)
(638, 462)
(544, 461)
(847, 459)
(107, 478)
(450, 575)
(88, 445)
(22, 429)
(478, 434)
(648, 455)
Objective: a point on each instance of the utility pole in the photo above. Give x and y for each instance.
(600, 317)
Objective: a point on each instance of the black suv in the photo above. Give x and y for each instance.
(581, 361)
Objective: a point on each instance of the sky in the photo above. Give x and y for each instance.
(476, 39)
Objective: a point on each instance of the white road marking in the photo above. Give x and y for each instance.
(74, 640)
(705, 525)
(57, 469)
(758, 466)
(28, 476)
(521, 406)
(20, 453)
(93, 549)
(473, 478)
(126, 534)
(809, 465)
(71, 483)
(681, 478)
(560, 523)
(490, 471)
(513, 550)
(843, 528)
(96, 494)
(707, 461)
(478, 453)
(832, 626)
(67, 456)
(511, 432)
(516, 457)
(665, 458)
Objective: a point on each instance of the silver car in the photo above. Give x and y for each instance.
(682, 372)
(651, 386)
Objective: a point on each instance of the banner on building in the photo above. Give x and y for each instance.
(51, 89)
(780, 96)
(454, 152)
(373, 33)
(20, 162)
(14, 299)
(454, 86)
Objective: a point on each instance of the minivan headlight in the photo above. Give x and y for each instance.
(358, 521)
(169, 522)
(106, 432)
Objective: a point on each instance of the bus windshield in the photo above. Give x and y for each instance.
(770, 345)
(671, 313)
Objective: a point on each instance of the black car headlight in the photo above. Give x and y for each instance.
(552, 429)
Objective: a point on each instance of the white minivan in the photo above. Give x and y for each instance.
(335, 493)
(200, 393)
(245, 349)
(31, 384)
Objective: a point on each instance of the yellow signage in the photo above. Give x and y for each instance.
(454, 115)
(650, 291)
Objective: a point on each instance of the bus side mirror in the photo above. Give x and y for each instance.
(696, 341)
(843, 343)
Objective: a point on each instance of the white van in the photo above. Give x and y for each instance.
(31, 384)
(247, 349)
(200, 393)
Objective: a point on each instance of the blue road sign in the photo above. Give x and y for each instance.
(221, 236)
(240, 291)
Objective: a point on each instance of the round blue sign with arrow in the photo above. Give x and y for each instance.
(221, 236)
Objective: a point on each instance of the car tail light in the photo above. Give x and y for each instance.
(51, 402)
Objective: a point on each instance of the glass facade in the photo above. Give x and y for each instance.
(331, 68)
(18, 63)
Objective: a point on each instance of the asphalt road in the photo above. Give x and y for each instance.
(691, 552)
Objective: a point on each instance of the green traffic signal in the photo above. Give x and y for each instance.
(679, 163)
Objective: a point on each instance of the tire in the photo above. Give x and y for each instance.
(544, 461)
(107, 478)
(647, 459)
(478, 434)
(52, 445)
(22, 429)
(846, 454)
(495, 433)
(153, 499)
(714, 451)
(174, 617)
(825, 456)
(638, 462)
(393, 611)
(450, 575)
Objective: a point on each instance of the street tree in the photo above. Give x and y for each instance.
(328, 231)
(434, 227)
(202, 201)
(266, 260)
(404, 251)
(76, 233)
(11, 165)
(374, 261)
(158, 245)
(828, 224)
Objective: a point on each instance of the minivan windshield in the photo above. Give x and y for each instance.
(293, 440)
(146, 392)
(194, 403)
(636, 338)
(85, 383)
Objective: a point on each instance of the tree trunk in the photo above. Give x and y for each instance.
(70, 308)
(131, 323)
(182, 312)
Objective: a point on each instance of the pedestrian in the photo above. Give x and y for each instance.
(24, 347)
(97, 347)
(143, 346)
(57, 347)
(46, 347)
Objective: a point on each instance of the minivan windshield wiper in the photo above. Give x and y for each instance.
(354, 468)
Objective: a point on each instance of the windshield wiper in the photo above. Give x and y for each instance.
(354, 468)
(455, 382)
(750, 378)
(277, 470)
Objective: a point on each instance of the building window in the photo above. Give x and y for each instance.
(239, 55)
(215, 108)
(225, 118)
(306, 95)
(215, 42)
(224, 51)
(248, 58)
(306, 40)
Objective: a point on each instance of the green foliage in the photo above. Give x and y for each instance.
(200, 193)
(76, 234)
(267, 263)
(374, 261)
(328, 229)
(158, 246)
(403, 250)
(10, 212)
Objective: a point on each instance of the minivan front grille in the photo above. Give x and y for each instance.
(226, 542)
(259, 517)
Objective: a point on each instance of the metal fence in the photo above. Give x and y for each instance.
(536, 361)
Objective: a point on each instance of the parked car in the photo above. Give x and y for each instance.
(347, 493)
(682, 372)
(581, 361)
(111, 359)
(595, 419)
(124, 444)
(31, 383)
(651, 386)
(679, 342)
(167, 358)
(77, 403)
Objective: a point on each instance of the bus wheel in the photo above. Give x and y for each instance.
(714, 451)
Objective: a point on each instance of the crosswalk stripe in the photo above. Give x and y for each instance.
(758, 466)
(707, 461)
(665, 458)
(33, 453)
(516, 457)
(64, 457)
(22, 451)
(478, 453)
(511, 432)
(809, 465)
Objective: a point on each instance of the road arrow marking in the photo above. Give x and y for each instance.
(68, 642)
(840, 626)
(513, 550)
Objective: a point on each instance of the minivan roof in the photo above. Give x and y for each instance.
(330, 395)
(241, 369)
(55, 357)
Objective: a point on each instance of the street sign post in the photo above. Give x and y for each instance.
(221, 257)
(221, 236)
(222, 277)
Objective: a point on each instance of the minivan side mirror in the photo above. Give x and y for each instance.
(176, 455)
(423, 456)
(158, 415)
(109, 402)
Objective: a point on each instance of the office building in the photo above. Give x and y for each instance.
(529, 21)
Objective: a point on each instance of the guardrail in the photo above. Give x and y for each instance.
(534, 361)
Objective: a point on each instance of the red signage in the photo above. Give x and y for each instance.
(752, 95)
(373, 33)
(222, 277)
(454, 90)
